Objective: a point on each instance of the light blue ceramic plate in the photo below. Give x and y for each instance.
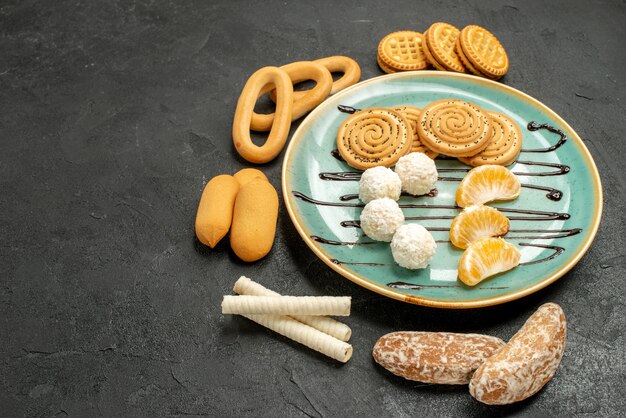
(553, 222)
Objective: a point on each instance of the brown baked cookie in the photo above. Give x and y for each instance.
(504, 146)
(412, 114)
(401, 51)
(440, 39)
(434, 357)
(454, 128)
(373, 137)
(483, 52)
(526, 363)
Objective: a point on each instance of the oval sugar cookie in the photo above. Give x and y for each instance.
(526, 363)
(434, 357)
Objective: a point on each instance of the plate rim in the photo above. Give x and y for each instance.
(439, 303)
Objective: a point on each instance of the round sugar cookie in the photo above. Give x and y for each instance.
(412, 115)
(373, 137)
(401, 51)
(483, 50)
(441, 38)
(504, 146)
(454, 128)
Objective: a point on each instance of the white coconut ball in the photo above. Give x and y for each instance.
(413, 246)
(380, 218)
(417, 172)
(379, 182)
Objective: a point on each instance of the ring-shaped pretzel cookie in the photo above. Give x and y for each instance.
(335, 64)
(372, 137)
(297, 72)
(454, 128)
(272, 77)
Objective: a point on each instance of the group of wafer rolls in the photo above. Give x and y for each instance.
(290, 104)
(456, 128)
(498, 373)
(472, 50)
(303, 319)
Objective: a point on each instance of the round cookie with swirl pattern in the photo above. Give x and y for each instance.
(504, 146)
(412, 115)
(454, 128)
(373, 137)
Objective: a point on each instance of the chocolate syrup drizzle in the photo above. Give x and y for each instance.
(537, 215)
(411, 286)
(534, 126)
(531, 215)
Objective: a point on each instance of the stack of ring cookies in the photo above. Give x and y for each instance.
(290, 105)
(455, 128)
(472, 50)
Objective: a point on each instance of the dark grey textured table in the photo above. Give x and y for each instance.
(113, 115)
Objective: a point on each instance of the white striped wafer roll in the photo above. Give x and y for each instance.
(339, 330)
(287, 305)
(305, 335)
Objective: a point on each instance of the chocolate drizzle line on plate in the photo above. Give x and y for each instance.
(550, 234)
(335, 261)
(346, 197)
(557, 252)
(561, 169)
(536, 214)
(411, 286)
(534, 126)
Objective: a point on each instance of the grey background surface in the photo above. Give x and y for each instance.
(113, 116)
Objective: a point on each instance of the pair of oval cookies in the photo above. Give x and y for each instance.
(473, 49)
(498, 373)
(247, 205)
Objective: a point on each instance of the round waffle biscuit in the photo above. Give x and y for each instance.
(454, 128)
(441, 38)
(373, 137)
(412, 115)
(483, 50)
(402, 51)
(504, 145)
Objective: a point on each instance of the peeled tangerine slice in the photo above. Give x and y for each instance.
(476, 222)
(487, 183)
(487, 257)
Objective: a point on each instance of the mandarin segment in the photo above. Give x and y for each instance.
(485, 258)
(487, 183)
(476, 222)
